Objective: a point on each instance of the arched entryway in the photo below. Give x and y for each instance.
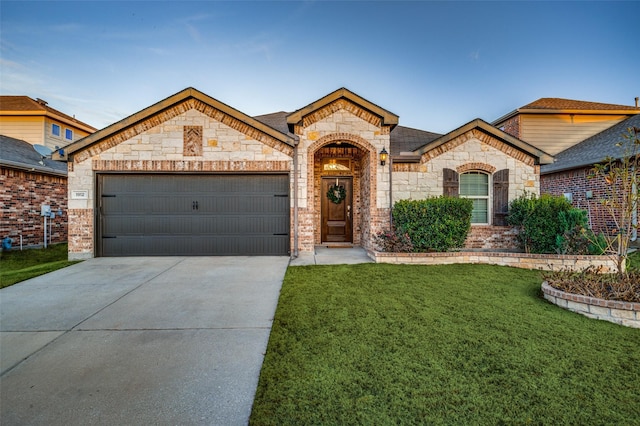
(342, 181)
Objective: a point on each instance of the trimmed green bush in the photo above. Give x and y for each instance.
(434, 224)
(549, 224)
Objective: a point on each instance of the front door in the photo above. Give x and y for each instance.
(337, 214)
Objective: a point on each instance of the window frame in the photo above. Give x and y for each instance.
(68, 134)
(55, 126)
(488, 198)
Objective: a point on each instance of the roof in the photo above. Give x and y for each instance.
(171, 101)
(24, 105)
(19, 154)
(402, 139)
(387, 118)
(569, 106)
(593, 150)
(482, 125)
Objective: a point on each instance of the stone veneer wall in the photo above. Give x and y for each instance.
(467, 152)
(543, 262)
(623, 313)
(21, 195)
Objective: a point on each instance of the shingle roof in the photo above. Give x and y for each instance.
(19, 154)
(402, 139)
(26, 104)
(594, 149)
(562, 104)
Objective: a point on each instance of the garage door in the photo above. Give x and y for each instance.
(170, 215)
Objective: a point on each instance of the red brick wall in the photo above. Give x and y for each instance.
(512, 126)
(577, 184)
(492, 237)
(21, 194)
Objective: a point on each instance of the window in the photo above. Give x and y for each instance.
(475, 185)
(68, 134)
(55, 130)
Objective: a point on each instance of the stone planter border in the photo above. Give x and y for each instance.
(623, 313)
(544, 262)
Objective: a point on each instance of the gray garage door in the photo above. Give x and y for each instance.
(170, 215)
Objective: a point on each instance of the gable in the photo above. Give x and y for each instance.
(487, 135)
(341, 99)
(170, 108)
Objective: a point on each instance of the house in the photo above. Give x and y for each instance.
(578, 134)
(191, 175)
(37, 123)
(27, 181)
(570, 174)
(555, 124)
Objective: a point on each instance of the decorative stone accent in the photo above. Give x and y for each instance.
(192, 141)
(476, 166)
(623, 313)
(190, 166)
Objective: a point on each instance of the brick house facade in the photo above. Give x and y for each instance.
(327, 153)
(25, 185)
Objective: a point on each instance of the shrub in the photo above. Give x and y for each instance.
(576, 237)
(538, 220)
(394, 242)
(434, 224)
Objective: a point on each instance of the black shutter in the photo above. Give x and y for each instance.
(500, 197)
(450, 183)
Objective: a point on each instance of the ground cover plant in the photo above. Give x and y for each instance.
(451, 344)
(20, 265)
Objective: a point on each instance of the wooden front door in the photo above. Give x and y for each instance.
(337, 217)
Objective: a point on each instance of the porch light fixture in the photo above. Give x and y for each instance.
(384, 155)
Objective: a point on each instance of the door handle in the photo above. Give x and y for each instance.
(194, 205)
(348, 212)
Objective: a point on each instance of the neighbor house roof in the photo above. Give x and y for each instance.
(594, 149)
(25, 106)
(487, 128)
(170, 102)
(19, 154)
(569, 106)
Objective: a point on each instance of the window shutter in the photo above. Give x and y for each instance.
(450, 183)
(500, 197)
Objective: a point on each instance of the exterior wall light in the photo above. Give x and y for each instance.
(384, 155)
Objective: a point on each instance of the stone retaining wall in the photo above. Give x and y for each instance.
(544, 262)
(623, 313)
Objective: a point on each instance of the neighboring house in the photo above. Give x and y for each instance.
(190, 175)
(569, 174)
(578, 134)
(554, 124)
(27, 181)
(37, 123)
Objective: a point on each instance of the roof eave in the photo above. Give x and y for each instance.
(32, 168)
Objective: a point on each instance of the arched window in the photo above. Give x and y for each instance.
(475, 185)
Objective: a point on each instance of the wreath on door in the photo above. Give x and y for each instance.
(336, 193)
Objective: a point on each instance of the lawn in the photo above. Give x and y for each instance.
(17, 265)
(452, 344)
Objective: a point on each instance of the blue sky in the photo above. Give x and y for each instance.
(437, 65)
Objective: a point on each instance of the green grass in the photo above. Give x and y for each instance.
(453, 344)
(16, 265)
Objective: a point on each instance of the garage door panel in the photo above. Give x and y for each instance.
(194, 215)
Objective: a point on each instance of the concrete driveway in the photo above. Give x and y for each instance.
(138, 341)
